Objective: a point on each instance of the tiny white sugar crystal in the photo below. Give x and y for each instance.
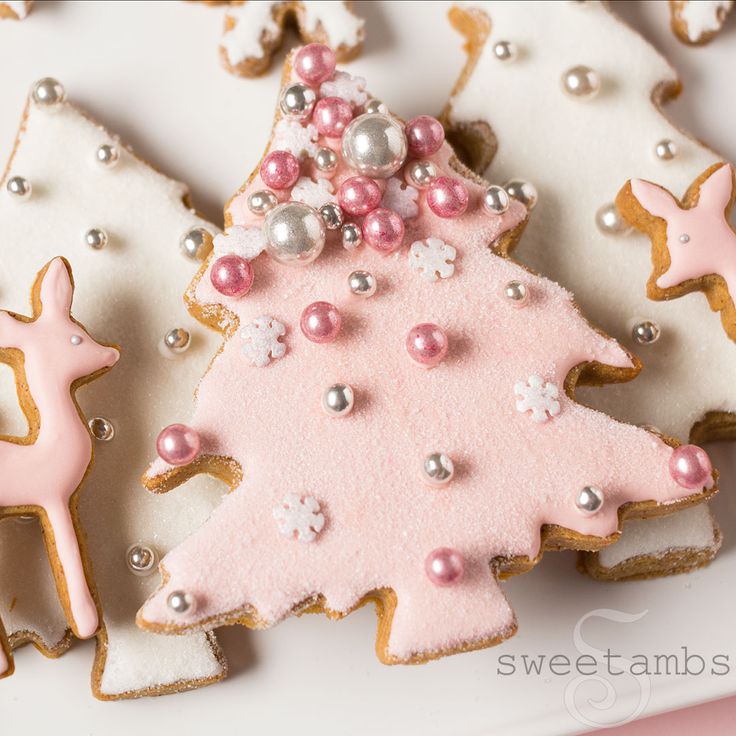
(246, 242)
(432, 258)
(262, 341)
(313, 193)
(344, 85)
(401, 198)
(292, 136)
(538, 397)
(299, 516)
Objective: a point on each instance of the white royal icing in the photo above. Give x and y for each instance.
(130, 293)
(578, 155)
(703, 17)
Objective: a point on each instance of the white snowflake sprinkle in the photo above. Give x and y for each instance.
(246, 242)
(401, 198)
(538, 397)
(344, 85)
(299, 516)
(432, 258)
(313, 193)
(292, 136)
(262, 341)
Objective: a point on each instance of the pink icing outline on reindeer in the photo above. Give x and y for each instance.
(366, 527)
(695, 236)
(42, 472)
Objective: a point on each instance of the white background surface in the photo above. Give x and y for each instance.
(150, 72)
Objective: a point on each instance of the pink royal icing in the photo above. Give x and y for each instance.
(46, 473)
(700, 240)
(354, 483)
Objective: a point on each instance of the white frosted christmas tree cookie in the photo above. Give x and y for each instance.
(393, 405)
(15, 9)
(254, 30)
(582, 72)
(696, 22)
(72, 189)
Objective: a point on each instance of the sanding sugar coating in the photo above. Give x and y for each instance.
(513, 472)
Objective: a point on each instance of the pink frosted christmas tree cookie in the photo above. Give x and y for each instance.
(393, 404)
(693, 242)
(52, 355)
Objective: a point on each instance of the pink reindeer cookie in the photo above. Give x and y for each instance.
(52, 356)
(693, 242)
(393, 405)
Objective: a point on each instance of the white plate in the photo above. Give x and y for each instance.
(150, 72)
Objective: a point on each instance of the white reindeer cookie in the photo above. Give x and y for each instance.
(696, 22)
(254, 30)
(52, 356)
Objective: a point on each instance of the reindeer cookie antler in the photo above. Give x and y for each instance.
(52, 355)
(693, 244)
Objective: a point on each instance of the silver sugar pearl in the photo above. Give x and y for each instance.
(505, 51)
(96, 238)
(101, 429)
(297, 101)
(523, 191)
(338, 400)
(177, 340)
(375, 145)
(180, 601)
(262, 201)
(326, 160)
(581, 82)
(375, 105)
(107, 155)
(437, 469)
(141, 560)
(646, 332)
(196, 243)
(332, 215)
(589, 500)
(19, 187)
(362, 283)
(684, 238)
(516, 292)
(609, 221)
(352, 236)
(420, 174)
(48, 92)
(294, 233)
(496, 200)
(665, 150)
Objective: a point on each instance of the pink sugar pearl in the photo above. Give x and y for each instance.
(232, 276)
(444, 566)
(315, 63)
(424, 135)
(280, 170)
(690, 467)
(383, 230)
(358, 195)
(178, 444)
(447, 197)
(427, 344)
(331, 116)
(320, 322)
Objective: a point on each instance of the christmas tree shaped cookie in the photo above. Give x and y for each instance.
(584, 72)
(393, 405)
(52, 356)
(73, 189)
(696, 22)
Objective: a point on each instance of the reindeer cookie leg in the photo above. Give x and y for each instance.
(83, 608)
(431, 620)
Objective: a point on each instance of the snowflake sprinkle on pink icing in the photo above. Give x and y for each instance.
(313, 193)
(246, 242)
(344, 85)
(292, 136)
(432, 258)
